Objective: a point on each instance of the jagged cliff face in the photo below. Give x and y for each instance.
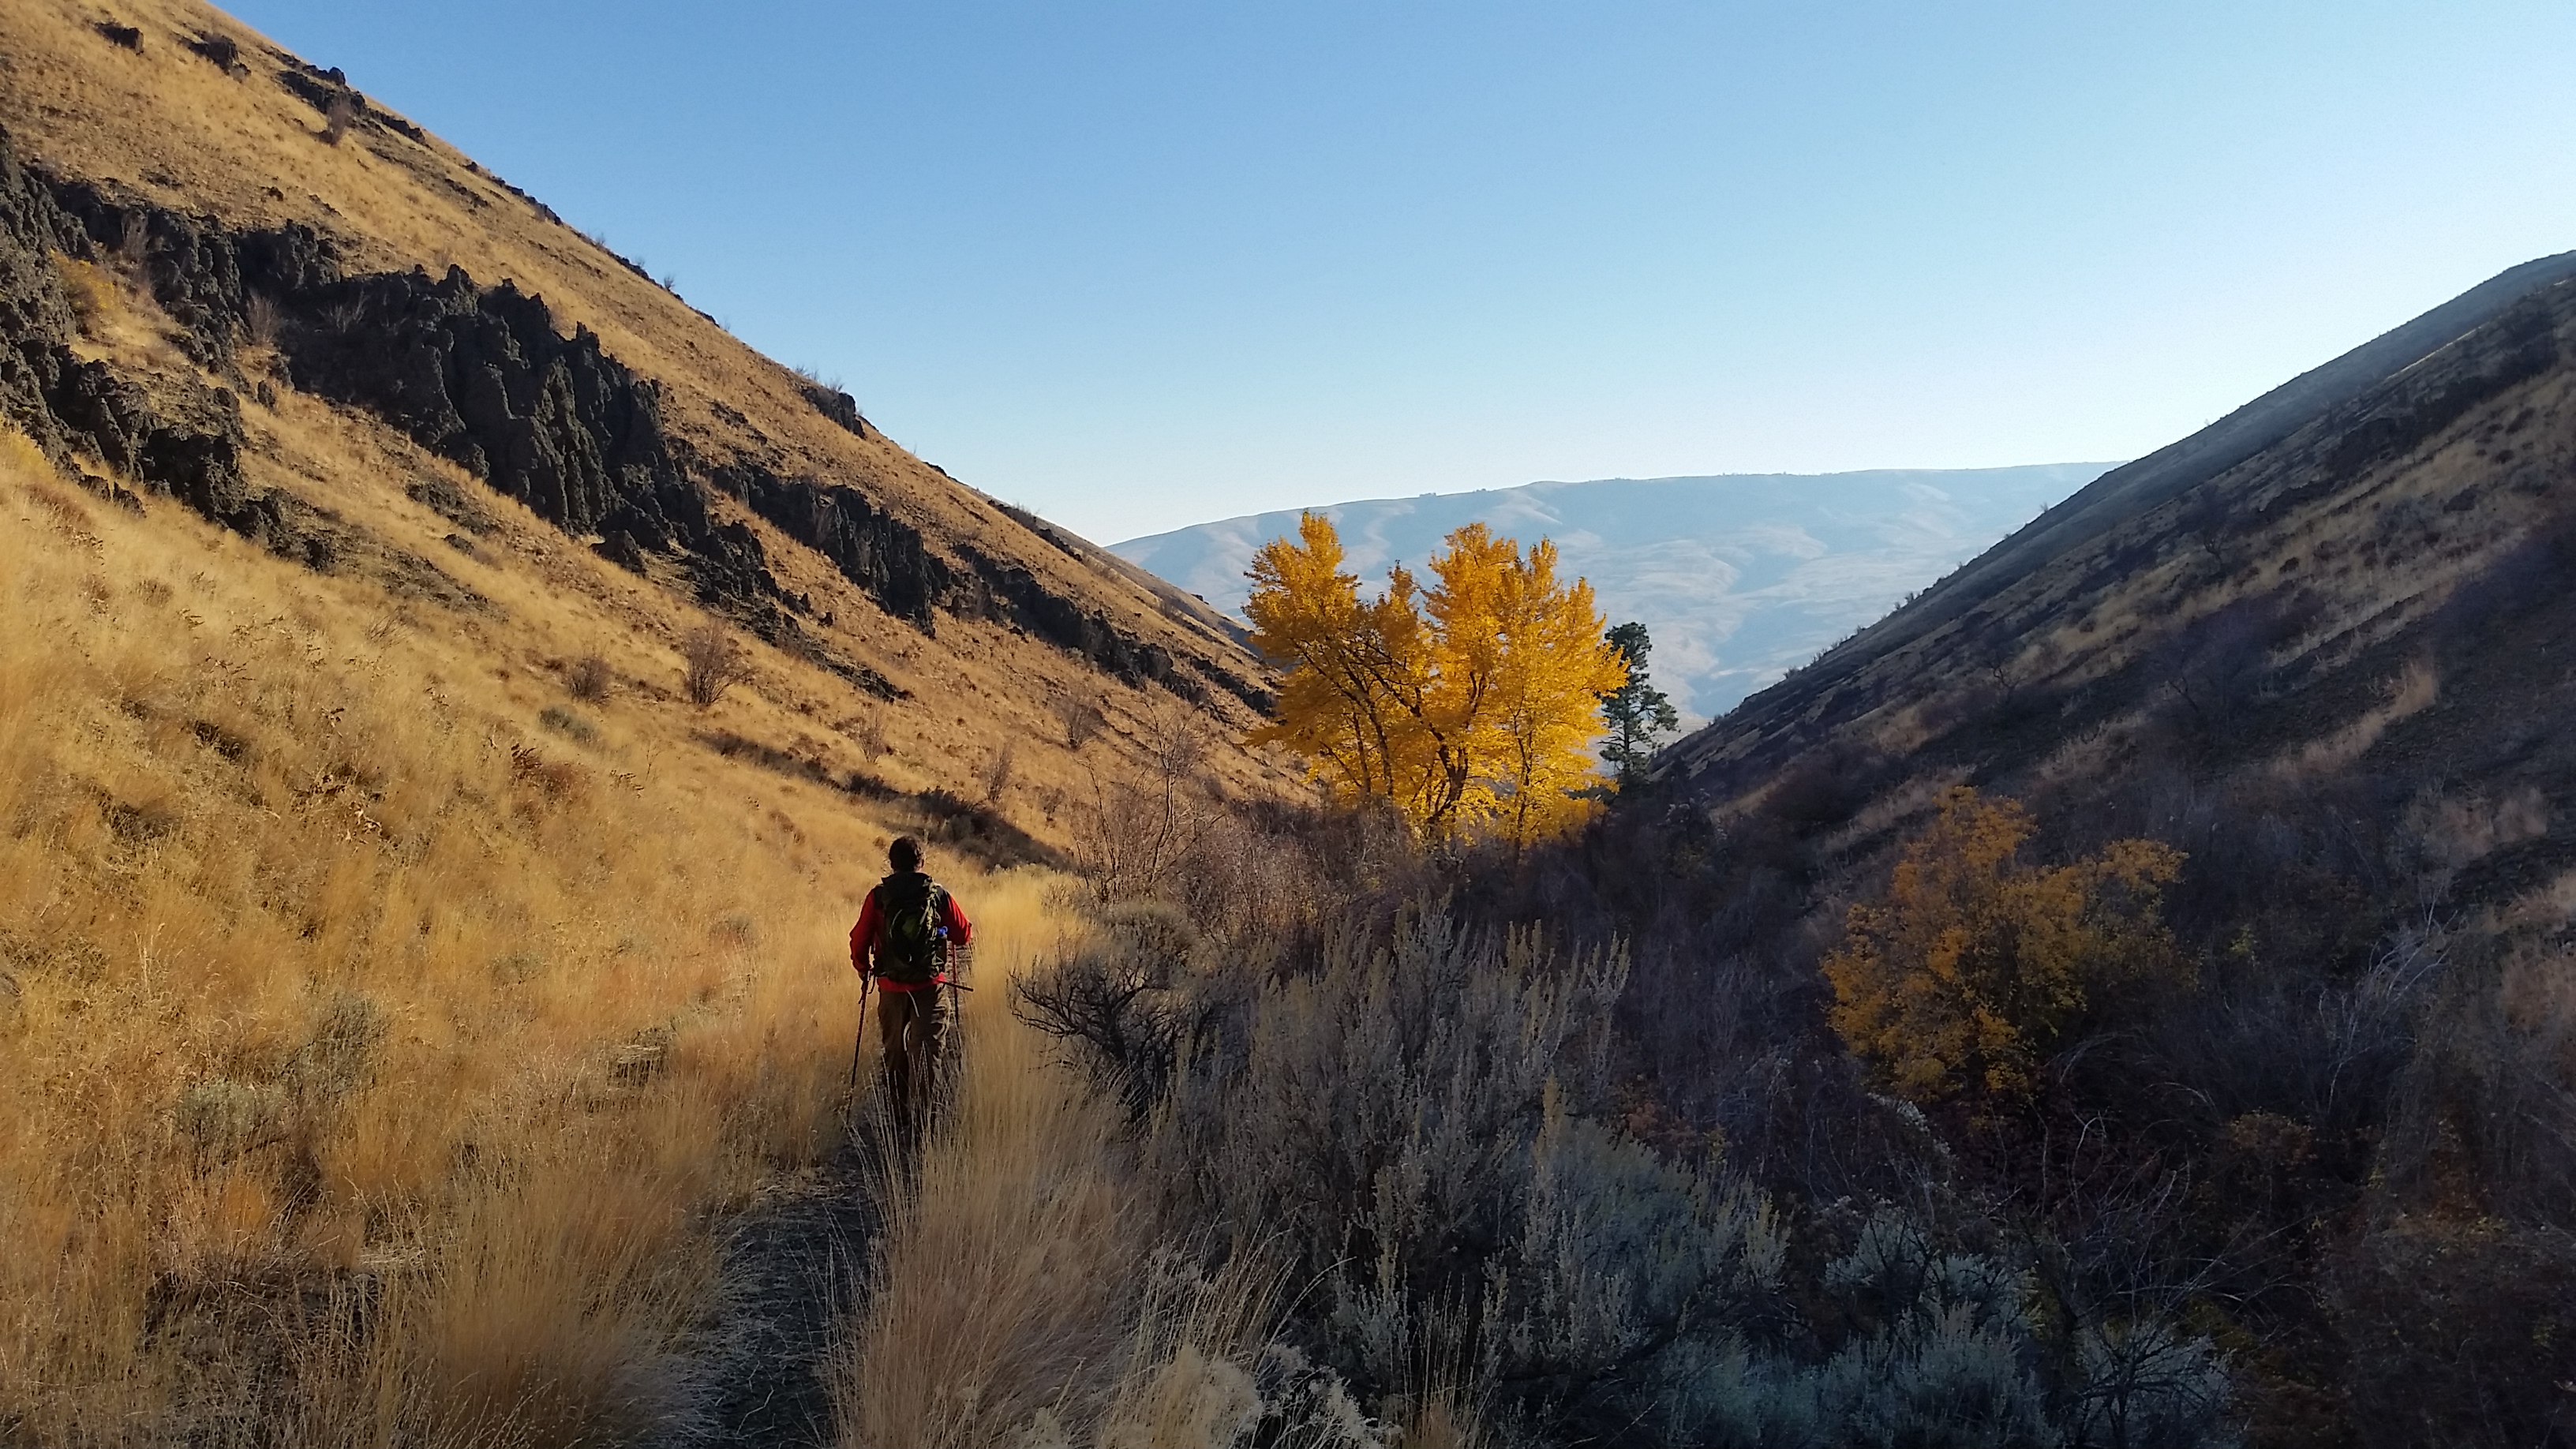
(2355, 590)
(386, 274)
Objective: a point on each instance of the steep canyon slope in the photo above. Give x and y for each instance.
(456, 699)
(302, 247)
(2358, 575)
(2325, 650)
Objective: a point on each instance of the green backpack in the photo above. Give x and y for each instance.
(916, 929)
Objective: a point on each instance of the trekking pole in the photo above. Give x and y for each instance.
(957, 1008)
(867, 984)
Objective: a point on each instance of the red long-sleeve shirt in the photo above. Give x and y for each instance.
(867, 938)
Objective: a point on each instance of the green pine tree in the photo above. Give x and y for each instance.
(1636, 712)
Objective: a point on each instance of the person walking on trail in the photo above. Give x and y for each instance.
(906, 939)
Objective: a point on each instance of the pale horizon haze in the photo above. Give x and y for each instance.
(1141, 266)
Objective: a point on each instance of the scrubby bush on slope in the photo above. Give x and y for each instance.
(1423, 1122)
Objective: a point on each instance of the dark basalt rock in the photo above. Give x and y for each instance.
(202, 275)
(222, 50)
(478, 375)
(837, 405)
(1008, 591)
(444, 498)
(872, 548)
(180, 437)
(888, 558)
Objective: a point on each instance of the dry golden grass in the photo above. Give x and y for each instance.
(1019, 1293)
(395, 986)
(239, 146)
(378, 1053)
(1037, 1283)
(1025, 1289)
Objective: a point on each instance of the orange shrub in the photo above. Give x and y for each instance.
(1975, 964)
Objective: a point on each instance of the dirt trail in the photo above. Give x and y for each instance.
(792, 1265)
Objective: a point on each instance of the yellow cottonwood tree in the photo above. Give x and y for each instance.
(1337, 707)
(1469, 704)
(1556, 666)
(1963, 978)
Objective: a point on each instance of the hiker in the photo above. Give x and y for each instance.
(904, 939)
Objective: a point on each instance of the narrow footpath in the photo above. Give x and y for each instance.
(792, 1265)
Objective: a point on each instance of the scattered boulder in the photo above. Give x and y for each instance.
(837, 405)
(221, 50)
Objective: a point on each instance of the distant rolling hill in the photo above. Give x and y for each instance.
(1739, 577)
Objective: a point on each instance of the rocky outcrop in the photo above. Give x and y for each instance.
(889, 559)
(1000, 589)
(837, 405)
(479, 375)
(885, 556)
(178, 437)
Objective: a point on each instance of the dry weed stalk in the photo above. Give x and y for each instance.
(262, 321)
(997, 775)
(1081, 715)
(339, 117)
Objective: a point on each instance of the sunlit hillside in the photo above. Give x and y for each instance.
(455, 697)
(273, 251)
(386, 1014)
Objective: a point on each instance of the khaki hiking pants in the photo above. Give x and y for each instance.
(908, 1027)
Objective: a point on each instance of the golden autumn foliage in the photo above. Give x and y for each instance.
(1471, 703)
(1965, 975)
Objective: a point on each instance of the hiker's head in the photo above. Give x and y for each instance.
(904, 855)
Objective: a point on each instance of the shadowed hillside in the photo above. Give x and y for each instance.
(2295, 688)
(2344, 508)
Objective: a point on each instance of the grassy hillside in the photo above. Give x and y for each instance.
(2357, 498)
(410, 976)
(383, 1021)
(282, 254)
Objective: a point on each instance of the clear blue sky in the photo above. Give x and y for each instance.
(1143, 265)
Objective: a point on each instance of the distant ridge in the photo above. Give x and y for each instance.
(1738, 577)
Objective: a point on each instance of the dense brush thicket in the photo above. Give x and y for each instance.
(1434, 1121)
(2342, 1143)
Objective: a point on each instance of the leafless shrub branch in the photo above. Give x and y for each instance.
(867, 731)
(711, 663)
(1080, 713)
(589, 678)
